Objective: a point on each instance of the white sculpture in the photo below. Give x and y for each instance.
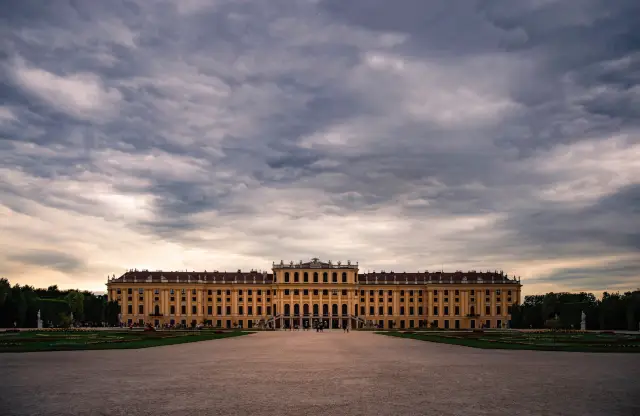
(583, 321)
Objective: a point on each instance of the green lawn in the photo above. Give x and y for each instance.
(588, 342)
(28, 341)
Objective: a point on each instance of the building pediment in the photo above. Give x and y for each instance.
(315, 263)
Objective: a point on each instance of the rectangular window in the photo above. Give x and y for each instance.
(487, 310)
(129, 291)
(228, 310)
(183, 309)
(411, 325)
(286, 292)
(420, 310)
(193, 291)
(259, 310)
(498, 310)
(119, 291)
(473, 292)
(296, 292)
(306, 277)
(325, 292)
(249, 310)
(240, 310)
(411, 310)
(141, 309)
(361, 310)
(411, 293)
(486, 292)
(209, 310)
(361, 292)
(446, 324)
(371, 310)
(380, 310)
(172, 309)
(446, 310)
(401, 310)
(140, 291)
(497, 292)
(435, 292)
(268, 310)
(315, 292)
(402, 293)
(390, 310)
(435, 310)
(228, 292)
(457, 310)
(344, 292)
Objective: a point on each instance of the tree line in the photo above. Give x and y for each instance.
(614, 311)
(19, 305)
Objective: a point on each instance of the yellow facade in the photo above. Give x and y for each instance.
(305, 293)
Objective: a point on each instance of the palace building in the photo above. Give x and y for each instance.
(304, 294)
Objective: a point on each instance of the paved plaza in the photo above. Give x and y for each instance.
(309, 373)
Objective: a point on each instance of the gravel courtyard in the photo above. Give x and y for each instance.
(309, 373)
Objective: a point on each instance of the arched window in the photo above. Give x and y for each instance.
(315, 309)
(296, 278)
(325, 309)
(315, 277)
(286, 277)
(296, 309)
(334, 309)
(344, 277)
(305, 309)
(345, 309)
(287, 309)
(305, 277)
(325, 277)
(334, 277)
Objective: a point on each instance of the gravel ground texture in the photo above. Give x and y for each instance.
(310, 373)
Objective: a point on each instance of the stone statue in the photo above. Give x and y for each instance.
(39, 320)
(583, 321)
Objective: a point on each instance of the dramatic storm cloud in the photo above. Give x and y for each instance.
(411, 135)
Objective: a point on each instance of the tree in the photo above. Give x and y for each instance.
(75, 300)
(5, 288)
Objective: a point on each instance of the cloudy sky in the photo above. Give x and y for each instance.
(409, 135)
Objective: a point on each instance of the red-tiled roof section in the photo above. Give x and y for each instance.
(436, 277)
(145, 276)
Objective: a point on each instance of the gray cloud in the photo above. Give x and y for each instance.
(62, 262)
(483, 134)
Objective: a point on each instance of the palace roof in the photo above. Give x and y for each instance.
(371, 278)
